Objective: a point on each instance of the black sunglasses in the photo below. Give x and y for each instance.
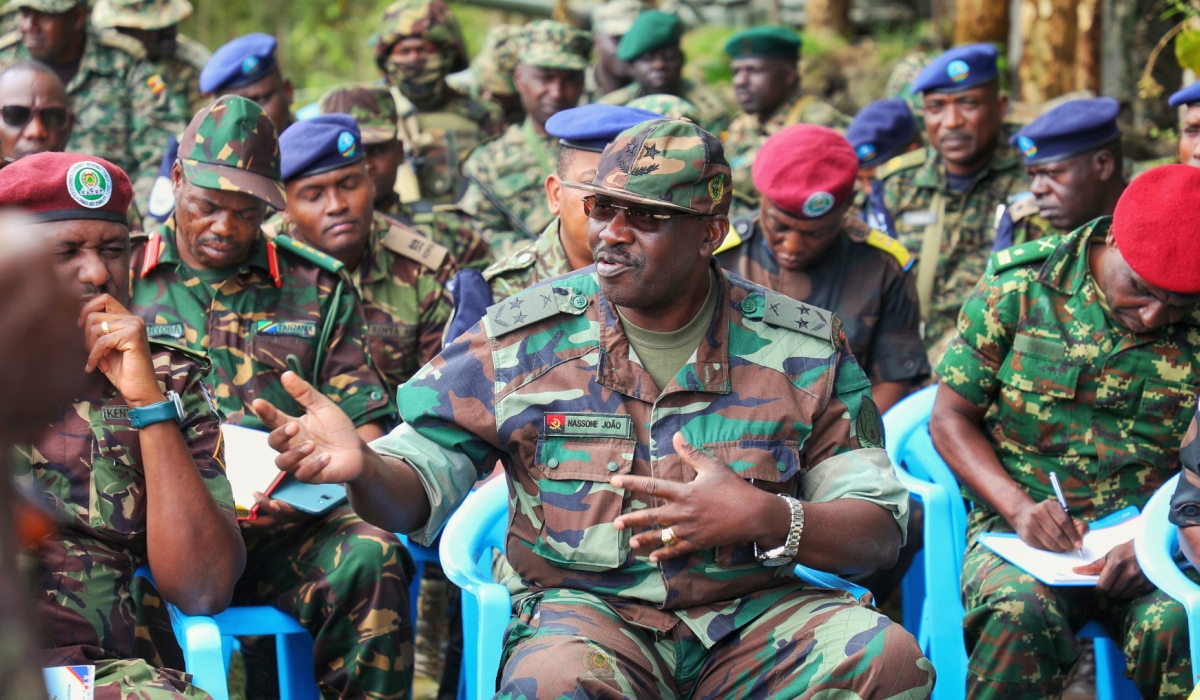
(53, 118)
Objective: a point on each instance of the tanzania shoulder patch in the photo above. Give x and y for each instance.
(904, 161)
(410, 244)
(532, 305)
(869, 425)
(884, 242)
(784, 312)
(308, 253)
(1033, 251)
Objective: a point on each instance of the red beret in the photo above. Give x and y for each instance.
(66, 186)
(1157, 227)
(806, 170)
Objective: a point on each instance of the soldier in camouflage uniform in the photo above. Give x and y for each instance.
(176, 57)
(610, 21)
(670, 106)
(652, 49)
(418, 44)
(577, 419)
(490, 76)
(943, 199)
(902, 77)
(259, 307)
(1074, 355)
(506, 196)
(880, 131)
(132, 467)
(375, 112)
(766, 81)
(123, 108)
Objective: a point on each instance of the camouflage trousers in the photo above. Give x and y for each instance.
(1020, 640)
(135, 679)
(814, 643)
(347, 584)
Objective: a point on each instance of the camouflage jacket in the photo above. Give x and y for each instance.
(863, 279)
(509, 173)
(1067, 389)
(714, 113)
(748, 132)
(401, 282)
(531, 263)
(288, 306)
(449, 227)
(913, 184)
(182, 75)
(123, 109)
(547, 385)
(89, 468)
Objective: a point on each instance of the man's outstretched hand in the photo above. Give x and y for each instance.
(320, 447)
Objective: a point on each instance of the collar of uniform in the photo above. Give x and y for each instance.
(550, 244)
(709, 373)
(90, 61)
(933, 173)
(789, 102)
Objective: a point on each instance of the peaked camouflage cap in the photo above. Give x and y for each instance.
(53, 7)
(550, 44)
(666, 163)
(372, 107)
(494, 64)
(431, 20)
(231, 145)
(140, 14)
(672, 106)
(615, 17)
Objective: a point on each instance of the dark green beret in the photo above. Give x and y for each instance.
(766, 40)
(652, 30)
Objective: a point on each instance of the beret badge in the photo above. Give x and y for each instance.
(347, 144)
(958, 71)
(89, 184)
(817, 204)
(716, 188)
(865, 151)
(1027, 146)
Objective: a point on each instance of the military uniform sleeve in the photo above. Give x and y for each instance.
(449, 433)
(437, 306)
(347, 375)
(846, 448)
(985, 324)
(492, 224)
(1185, 503)
(153, 124)
(897, 352)
(201, 428)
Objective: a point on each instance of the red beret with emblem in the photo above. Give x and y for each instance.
(1157, 227)
(806, 170)
(66, 187)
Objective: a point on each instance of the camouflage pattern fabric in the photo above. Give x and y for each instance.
(123, 109)
(493, 66)
(372, 107)
(231, 145)
(139, 14)
(401, 281)
(670, 106)
(749, 132)
(548, 44)
(449, 227)
(511, 171)
(534, 262)
(866, 286)
(182, 75)
(51, 6)
(431, 20)
(714, 113)
(900, 82)
(1068, 390)
(89, 468)
(968, 231)
(813, 643)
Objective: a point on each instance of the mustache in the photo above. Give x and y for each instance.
(620, 256)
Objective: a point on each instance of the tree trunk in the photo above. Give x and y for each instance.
(978, 21)
(829, 16)
(1047, 68)
(1087, 49)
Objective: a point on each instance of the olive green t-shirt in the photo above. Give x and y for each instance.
(663, 353)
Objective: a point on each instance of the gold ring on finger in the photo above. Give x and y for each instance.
(668, 537)
(104, 327)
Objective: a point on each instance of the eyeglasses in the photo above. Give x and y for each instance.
(53, 118)
(641, 217)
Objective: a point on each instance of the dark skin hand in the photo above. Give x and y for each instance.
(844, 536)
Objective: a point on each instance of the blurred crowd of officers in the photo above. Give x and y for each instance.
(351, 245)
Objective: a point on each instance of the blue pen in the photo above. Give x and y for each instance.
(1062, 500)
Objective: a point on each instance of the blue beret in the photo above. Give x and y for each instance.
(240, 62)
(1068, 129)
(1186, 96)
(323, 143)
(592, 127)
(880, 130)
(959, 68)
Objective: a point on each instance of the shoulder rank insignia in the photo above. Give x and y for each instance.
(306, 252)
(1021, 205)
(785, 312)
(884, 242)
(534, 304)
(406, 242)
(1023, 254)
(520, 259)
(151, 254)
(904, 161)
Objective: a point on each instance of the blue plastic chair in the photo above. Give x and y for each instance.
(938, 573)
(1156, 546)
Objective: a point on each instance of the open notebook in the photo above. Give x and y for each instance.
(1055, 569)
(250, 466)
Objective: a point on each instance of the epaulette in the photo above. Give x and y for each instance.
(1030, 252)
(904, 161)
(308, 253)
(9, 39)
(402, 240)
(116, 40)
(884, 242)
(152, 252)
(785, 312)
(520, 259)
(191, 51)
(1021, 205)
(531, 305)
(740, 230)
(198, 356)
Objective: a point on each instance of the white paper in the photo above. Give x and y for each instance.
(69, 682)
(1055, 569)
(249, 464)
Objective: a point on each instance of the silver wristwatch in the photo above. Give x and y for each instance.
(787, 552)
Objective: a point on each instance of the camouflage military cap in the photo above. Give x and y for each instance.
(140, 14)
(493, 66)
(666, 163)
(671, 106)
(231, 145)
(372, 107)
(431, 20)
(550, 44)
(615, 17)
(50, 6)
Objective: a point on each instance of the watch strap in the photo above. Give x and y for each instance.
(171, 409)
(784, 553)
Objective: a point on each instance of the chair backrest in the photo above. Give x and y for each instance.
(1156, 546)
(468, 541)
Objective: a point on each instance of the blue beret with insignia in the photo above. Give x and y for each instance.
(239, 62)
(880, 131)
(1188, 95)
(958, 69)
(323, 143)
(592, 127)
(1068, 129)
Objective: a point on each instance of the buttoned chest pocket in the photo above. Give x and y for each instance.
(1037, 395)
(117, 498)
(769, 465)
(1166, 408)
(394, 348)
(279, 346)
(578, 505)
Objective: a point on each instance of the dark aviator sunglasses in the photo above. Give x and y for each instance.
(52, 118)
